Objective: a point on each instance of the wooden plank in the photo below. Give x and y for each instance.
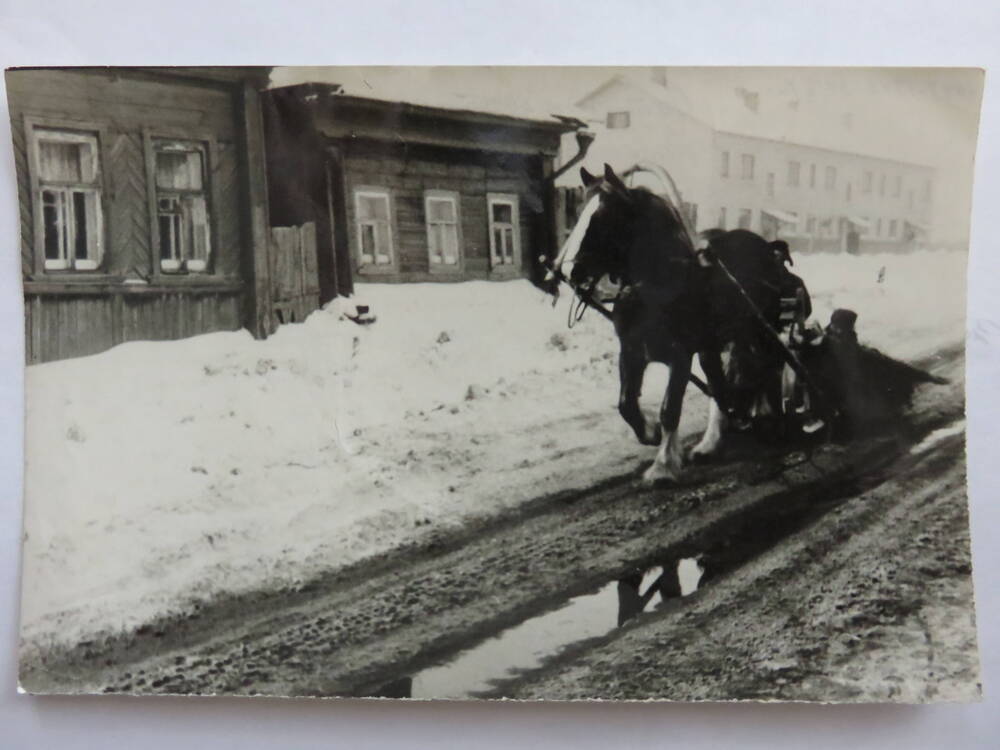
(310, 265)
(259, 302)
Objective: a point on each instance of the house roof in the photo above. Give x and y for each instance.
(382, 119)
(521, 93)
(257, 75)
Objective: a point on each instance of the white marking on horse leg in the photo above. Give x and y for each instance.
(570, 248)
(668, 461)
(712, 438)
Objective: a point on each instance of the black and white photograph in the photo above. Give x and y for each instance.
(531, 383)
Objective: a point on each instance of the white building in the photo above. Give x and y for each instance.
(743, 158)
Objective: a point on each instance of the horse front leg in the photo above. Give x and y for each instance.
(668, 461)
(631, 368)
(718, 408)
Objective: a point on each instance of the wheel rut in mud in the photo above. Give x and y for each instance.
(411, 613)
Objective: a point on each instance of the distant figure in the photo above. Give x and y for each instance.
(853, 241)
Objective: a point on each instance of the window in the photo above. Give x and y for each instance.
(68, 203)
(505, 235)
(878, 227)
(892, 227)
(724, 169)
(830, 178)
(881, 184)
(793, 173)
(441, 211)
(848, 192)
(722, 218)
(746, 218)
(770, 184)
(183, 235)
(812, 175)
(909, 198)
(747, 162)
(811, 225)
(374, 227)
(866, 182)
(927, 190)
(897, 187)
(617, 120)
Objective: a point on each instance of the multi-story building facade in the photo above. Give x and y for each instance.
(816, 198)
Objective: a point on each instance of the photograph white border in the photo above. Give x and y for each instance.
(626, 32)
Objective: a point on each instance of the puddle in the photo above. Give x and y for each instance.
(527, 645)
(939, 435)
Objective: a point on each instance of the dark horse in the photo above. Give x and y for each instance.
(676, 302)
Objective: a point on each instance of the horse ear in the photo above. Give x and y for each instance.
(587, 177)
(614, 182)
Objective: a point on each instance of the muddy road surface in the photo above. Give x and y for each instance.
(839, 572)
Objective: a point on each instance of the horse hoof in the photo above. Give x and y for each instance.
(699, 455)
(659, 474)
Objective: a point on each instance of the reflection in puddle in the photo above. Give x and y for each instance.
(956, 428)
(525, 646)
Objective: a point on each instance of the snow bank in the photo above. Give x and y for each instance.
(162, 475)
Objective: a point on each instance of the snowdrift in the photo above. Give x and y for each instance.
(162, 475)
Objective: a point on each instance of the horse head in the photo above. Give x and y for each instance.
(627, 235)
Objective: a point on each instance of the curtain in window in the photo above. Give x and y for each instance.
(178, 170)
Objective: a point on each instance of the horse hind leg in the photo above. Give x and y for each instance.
(711, 440)
(669, 461)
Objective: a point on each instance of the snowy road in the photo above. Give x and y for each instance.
(372, 629)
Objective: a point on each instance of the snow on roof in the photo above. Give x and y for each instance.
(506, 91)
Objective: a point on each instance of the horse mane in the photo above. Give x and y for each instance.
(663, 214)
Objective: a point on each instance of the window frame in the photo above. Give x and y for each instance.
(830, 177)
(456, 200)
(210, 189)
(513, 200)
(357, 192)
(101, 185)
(745, 160)
(624, 115)
(724, 164)
(794, 172)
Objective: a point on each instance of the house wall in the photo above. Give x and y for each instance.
(472, 174)
(656, 134)
(911, 206)
(76, 313)
(691, 151)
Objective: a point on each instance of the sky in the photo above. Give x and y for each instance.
(924, 115)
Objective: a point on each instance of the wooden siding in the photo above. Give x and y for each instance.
(74, 325)
(472, 176)
(69, 314)
(124, 108)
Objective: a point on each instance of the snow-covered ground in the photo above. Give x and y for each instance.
(161, 475)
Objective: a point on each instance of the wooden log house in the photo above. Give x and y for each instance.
(160, 203)
(143, 205)
(401, 192)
